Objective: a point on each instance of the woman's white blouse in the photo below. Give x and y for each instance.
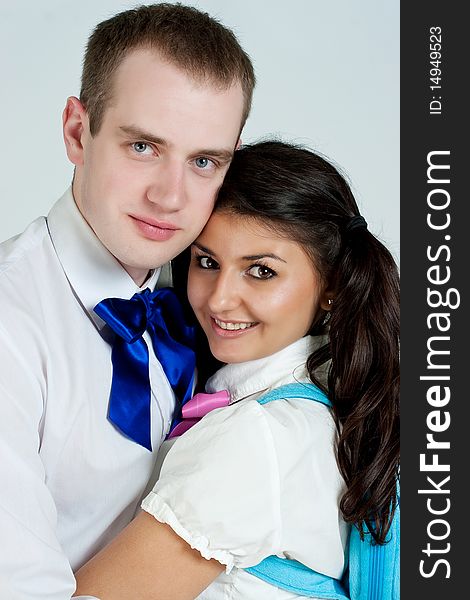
(252, 480)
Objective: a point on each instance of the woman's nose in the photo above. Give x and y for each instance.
(225, 294)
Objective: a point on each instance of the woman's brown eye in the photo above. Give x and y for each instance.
(206, 262)
(261, 272)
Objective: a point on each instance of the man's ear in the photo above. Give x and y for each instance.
(74, 125)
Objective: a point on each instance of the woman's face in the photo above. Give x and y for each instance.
(253, 293)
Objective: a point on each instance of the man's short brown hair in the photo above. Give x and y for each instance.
(188, 38)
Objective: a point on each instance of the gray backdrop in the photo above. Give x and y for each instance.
(328, 77)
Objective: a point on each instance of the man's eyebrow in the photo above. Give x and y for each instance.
(222, 154)
(137, 133)
(140, 134)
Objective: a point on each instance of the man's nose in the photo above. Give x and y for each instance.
(167, 189)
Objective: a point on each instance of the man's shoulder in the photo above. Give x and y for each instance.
(24, 247)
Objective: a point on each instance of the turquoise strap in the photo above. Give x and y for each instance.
(373, 572)
(295, 577)
(289, 574)
(307, 391)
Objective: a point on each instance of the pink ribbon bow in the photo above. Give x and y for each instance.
(198, 407)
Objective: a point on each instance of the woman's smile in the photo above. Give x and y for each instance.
(232, 328)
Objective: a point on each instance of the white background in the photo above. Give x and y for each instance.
(328, 77)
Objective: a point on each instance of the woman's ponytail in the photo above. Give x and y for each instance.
(364, 379)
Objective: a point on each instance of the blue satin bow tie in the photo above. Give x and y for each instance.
(161, 314)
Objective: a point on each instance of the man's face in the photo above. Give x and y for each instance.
(147, 182)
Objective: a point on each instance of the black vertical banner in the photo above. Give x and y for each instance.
(435, 268)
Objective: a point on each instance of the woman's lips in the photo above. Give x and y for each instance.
(230, 333)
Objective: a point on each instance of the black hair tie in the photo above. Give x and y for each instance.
(356, 222)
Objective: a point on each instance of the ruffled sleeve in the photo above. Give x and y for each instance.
(222, 486)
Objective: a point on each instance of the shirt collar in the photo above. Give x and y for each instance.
(92, 271)
(286, 366)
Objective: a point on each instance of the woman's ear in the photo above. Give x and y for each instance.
(74, 125)
(326, 301)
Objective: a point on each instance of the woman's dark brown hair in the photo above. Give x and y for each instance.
(303, 197)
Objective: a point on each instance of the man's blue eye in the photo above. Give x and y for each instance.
(140, 147)
(202, 162)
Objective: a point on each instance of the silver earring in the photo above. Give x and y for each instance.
(330, 301)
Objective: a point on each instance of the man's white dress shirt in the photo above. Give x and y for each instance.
(69, 480)
(250, 481)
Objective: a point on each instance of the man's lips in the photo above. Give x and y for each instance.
(152, 229)
(154, 222)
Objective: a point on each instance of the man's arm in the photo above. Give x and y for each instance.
(32, 563)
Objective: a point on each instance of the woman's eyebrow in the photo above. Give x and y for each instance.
(250, 257)
(203, 249)
(261, 256)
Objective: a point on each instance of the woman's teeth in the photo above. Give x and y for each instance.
(233, 326)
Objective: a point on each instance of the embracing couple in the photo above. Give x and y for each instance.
(285, 343)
